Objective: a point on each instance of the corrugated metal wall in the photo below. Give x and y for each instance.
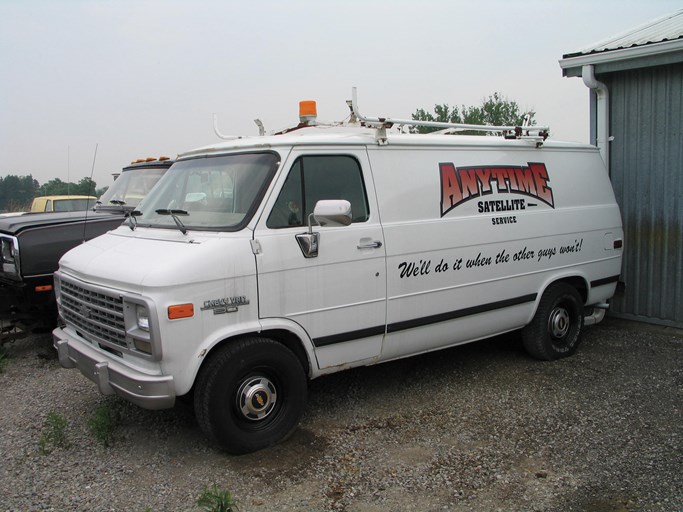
(647, 174)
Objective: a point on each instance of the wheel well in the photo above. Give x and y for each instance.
(579, 283)
(292, 342)
(288, 339)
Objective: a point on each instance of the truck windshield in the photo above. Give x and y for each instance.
(129, 189)
(214, 193)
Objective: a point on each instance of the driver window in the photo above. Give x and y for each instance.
(313, 178)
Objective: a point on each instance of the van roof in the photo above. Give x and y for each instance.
(355, 135)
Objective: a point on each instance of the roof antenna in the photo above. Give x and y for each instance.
(90, 184)
(68, 167)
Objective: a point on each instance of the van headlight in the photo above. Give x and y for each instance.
(140, 321)
(142, 317)
(9, 252)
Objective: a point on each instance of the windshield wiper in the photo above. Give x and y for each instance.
(132, 221)
(117, 202)
(174, 214)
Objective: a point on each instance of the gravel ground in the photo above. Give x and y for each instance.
(480, 427)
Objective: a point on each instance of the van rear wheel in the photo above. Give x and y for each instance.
(555, 330)
(250, 395)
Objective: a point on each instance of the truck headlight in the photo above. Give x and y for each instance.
(9, 252)
(142, 317)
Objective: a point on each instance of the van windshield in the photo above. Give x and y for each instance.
(219, 193)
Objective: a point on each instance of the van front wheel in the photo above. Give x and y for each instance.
(250, 395)
(555, 330)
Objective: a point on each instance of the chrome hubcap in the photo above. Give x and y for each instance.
(256, 398)
(559, 323)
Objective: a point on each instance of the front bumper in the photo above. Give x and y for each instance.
(112, 377)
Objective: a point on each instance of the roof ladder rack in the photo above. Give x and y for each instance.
(535, 133)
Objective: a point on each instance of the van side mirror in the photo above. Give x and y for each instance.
(332, 212)
(328, 212)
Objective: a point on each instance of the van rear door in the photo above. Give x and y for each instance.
(338, 296)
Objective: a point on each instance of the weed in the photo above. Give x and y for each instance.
(54, 433)
(102, 425)
(216, 500)
(3, 360)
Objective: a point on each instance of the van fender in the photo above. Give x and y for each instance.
(573, 277)
(187, 373)
(255, 327)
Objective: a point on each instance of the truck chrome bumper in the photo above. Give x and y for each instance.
(111, 377)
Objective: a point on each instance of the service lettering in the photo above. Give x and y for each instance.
(481, 259)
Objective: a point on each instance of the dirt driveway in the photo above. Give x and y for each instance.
(477, 428)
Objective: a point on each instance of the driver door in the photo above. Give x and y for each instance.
(338, 296)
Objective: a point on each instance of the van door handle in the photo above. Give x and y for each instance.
(372, 244)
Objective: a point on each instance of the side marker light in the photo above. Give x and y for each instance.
(180, 311)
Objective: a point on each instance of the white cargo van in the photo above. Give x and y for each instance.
(259, 263)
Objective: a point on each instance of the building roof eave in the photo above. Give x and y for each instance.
(624, 58)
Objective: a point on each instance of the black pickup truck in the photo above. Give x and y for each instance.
(33, 243)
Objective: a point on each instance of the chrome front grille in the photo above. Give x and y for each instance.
(97, 316)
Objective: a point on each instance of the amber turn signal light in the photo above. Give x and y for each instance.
(180, 311)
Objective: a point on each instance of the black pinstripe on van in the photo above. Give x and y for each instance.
(419, 322)
(348, 336)
(607, 280)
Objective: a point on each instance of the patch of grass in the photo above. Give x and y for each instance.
(102, 425)
(54, 433)
(3, 359)
(217, 500)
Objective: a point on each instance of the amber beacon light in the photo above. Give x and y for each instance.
(307, 111)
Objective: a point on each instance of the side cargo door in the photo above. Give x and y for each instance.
(339, 296)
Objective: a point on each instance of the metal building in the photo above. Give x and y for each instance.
(636, 113)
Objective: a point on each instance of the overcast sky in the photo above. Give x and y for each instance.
(141, 78)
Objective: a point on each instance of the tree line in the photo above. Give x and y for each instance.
(496, 110)
(17, 192)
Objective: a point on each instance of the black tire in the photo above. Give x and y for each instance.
(250, 395)
(555, 330)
